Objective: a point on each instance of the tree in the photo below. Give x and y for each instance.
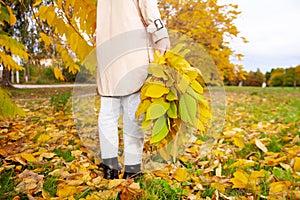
(208, 24)
(267, 76)
(9, 48)
(297, 75)
(73, 23)
(255, 78)
(289, 77)
(277, 77)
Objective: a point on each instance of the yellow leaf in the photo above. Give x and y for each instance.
(297, 164)
(37, 2)
(58, 74)
(143, 106)
(46, 39)
(261, 146)
(197, 87)
(28, 157)
(161, 173)
(218, 186)
(114, 183)
(13, 18)
(172, 95)
(156, 91)
(68, 191)
(184, 158)
(279, 186)
(74, 182)
(181, 174)
(240, 179)
(43, 138)
(257, 174)
(296, 194)
(45, 195)
(238, 142)
(242, 163)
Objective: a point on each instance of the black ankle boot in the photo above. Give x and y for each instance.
(110, 173)
(111, 168)
(132, 171)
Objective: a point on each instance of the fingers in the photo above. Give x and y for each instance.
(163, 45)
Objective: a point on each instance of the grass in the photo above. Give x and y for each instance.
(50, 185)
(65, 154)
(7, 183)
(159, 189)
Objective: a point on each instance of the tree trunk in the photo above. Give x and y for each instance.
(6, 77)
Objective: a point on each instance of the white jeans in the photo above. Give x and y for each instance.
(110, 111)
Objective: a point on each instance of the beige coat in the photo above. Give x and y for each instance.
(126, 32)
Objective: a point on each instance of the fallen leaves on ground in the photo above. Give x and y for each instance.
(256, 156)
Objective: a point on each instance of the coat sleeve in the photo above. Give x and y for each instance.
(152, 19)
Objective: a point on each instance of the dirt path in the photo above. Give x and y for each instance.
(23, 86)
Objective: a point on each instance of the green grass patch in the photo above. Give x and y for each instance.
(7, 184)
(50, 185)
(59, 102)
(65, 154)
(159, 189)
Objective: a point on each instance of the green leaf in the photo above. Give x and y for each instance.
(157, 70)
(157, 109)
(160, 130)
(183, 83)
(172, 111)
(197, 96)
(4, 14)
(8, 108)
(172, 95)
(187, 108)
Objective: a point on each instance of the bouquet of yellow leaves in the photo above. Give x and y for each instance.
(172, 98)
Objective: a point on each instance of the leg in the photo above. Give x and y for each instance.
(133, 135)
(109, 114)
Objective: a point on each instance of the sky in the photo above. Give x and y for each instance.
(272, 28)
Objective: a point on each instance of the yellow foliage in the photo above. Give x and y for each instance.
(281, 186)
(181, 174)
(297, 164)
(73, 31)
(28, 157)
(244, 180)
(172, 92)
(207, 23)
(58, 74)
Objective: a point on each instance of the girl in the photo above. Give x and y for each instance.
(128, 31)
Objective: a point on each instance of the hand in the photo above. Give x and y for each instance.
(162, 45)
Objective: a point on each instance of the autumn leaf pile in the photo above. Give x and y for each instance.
(256, 157)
